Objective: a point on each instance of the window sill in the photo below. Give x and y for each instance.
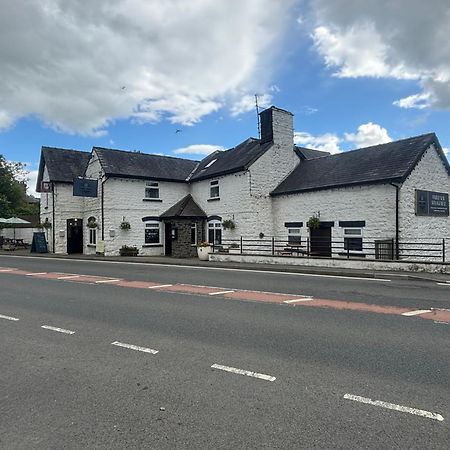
(152, 245)
(152, 200)
(213, 199)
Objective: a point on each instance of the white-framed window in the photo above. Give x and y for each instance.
(92, 236)
(294, 237)
(152, 232)
(353, 240)
(215, 232)
(151, 190)
(214, 189)
(193, 234)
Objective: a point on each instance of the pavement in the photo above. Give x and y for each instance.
(88, 362)
(424, 276)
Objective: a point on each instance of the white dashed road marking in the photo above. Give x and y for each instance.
(406, 409)
(135, 347)
(108, 281)
(447, 283)
(15, 319)
(160, 286)
(7, 270)
(220, 292)
(243, 372)
(69, 277)
(296, 300)
(59, 330)
(416, 312)
(34, 274)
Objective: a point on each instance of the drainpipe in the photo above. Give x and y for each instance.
(53, 218)
(397, 221)
(103, 209)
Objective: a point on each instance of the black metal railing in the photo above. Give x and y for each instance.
(417, 249)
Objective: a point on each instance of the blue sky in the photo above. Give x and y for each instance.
(127, 74)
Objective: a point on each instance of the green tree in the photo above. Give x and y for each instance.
(12, 190)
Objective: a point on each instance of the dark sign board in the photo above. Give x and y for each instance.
(431, 203)
(46, 186)
(39, 244)
(84, 187)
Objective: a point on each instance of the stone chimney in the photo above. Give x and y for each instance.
(277, 126)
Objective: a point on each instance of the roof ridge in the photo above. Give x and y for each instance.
(46, 147)
(138, 152)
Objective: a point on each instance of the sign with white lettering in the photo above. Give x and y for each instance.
(84, 187)
(431, 203)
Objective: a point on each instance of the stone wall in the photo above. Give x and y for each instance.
(182, 246)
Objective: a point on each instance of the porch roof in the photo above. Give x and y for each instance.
(186, 208)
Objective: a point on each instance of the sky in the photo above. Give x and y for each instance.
(179, 78)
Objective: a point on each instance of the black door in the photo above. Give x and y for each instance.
(75, 236)
(320, 241)
(168, 239)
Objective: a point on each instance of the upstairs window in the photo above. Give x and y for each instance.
(152, 190)
(353, 239)
(214, 189)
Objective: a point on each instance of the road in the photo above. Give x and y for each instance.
(155, 356)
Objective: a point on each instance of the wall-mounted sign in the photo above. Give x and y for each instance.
(85, 187)
(431, 203)
(46, 186)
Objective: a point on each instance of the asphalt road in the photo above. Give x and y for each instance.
(60, 390)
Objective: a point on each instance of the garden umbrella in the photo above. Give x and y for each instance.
(16, 221)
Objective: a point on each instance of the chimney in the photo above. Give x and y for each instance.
(277, 126)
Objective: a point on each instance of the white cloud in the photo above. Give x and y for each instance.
(198, 149)
(31, 183)
(247, 103)
(78, 66)
(405, 39)
(446, 152)
(368, 134)
(326, 142)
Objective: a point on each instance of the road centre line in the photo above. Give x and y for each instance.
(135, 347)
(221, 292)
(244, 372)
(114, 280)
(306, 299)
(84, 261)
(393, 406)
(160, 286)
(417, 312)
(15, 319)
(59, 330)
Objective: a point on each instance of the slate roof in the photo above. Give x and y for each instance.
(63, 165)
(186, 208)
(126, 164)
(309, 153)
(233, 160)
(391, 162)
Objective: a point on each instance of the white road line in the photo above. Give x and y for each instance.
(417, 412)
(108, 281)
(444, 284)
(15, 319)
(160, 286)
(417, 312)
(34, 274)
(220, 292)
(7, 270)
(59, 330)
(244, 372)
(69, 277)
(135, 347)
(203, 268)
(306, 299)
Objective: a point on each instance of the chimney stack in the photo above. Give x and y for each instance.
(277, 126)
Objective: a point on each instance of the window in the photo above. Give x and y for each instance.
(214, 189)
(152, 189)
(215, 232)
(294, 237)
(92, 236)
(193, 233)
(152, 234)
(353, 239)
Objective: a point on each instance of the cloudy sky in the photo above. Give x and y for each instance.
(179, 78)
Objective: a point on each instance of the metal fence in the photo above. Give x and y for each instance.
(413, 249)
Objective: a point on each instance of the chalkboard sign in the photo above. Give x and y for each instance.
(84, 187)
(39, 244)
(431, 203)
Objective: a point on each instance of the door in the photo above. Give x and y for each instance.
(320, 241)
(168, 239)
(74, 236)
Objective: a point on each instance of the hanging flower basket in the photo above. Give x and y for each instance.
(46, 224)
(92, 225)
(125, 225)
(228, 225)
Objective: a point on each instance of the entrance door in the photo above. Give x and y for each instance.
(168, 239)
(75, 236)
(320, 241)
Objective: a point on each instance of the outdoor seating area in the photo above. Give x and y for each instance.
(12, 244)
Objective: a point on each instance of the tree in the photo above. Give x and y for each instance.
(12, 190)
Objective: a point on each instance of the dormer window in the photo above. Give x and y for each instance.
(214, 189)
(151, 190)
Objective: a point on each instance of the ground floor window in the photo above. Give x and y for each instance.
(152, 232)
(92, 236)
(215, 232)
(294, 237)
(353, 239)
(193, 233)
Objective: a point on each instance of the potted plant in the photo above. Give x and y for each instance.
(313, 222)
(126, 250)
(203, 250)
(228, 225)
(124, 225)
(234, 248)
